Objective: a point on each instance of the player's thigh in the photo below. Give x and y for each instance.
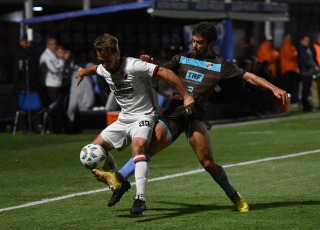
(142, 127)
(200, 141)
(160, 139)
(115, 135)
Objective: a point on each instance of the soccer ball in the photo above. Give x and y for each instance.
(92, 156)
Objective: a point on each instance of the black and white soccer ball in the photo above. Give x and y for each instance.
(92, 156)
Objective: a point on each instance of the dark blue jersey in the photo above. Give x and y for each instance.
(201, 76)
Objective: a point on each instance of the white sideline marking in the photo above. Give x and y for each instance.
(157, 179)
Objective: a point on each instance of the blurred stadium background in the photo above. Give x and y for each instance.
(144, 25)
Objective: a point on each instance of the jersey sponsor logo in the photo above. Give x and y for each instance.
(123, 91)
(194, 76)
(124, 85)
(124, 88)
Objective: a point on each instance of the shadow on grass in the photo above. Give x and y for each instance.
(186, 209)
(261, 206)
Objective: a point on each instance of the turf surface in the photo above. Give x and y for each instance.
(282, 193)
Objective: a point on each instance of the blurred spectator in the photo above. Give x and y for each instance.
(249, 49)
(60, 51)
(161, 57)
(26, 79)
(26, 67)
(258, 101)
(243, 46)
(52, 69)
(165, 92)
(266, 52)
(69, 66)
(140, 52)
(82, 97)
(289, 68)
(308, 67)
(163, 88)
(67, 56)
(316, 78)
(100, 97)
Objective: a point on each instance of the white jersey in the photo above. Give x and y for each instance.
(132, 87)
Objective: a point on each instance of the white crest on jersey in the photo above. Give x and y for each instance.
(209, 65)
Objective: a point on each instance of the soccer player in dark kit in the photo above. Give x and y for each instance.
(200, 71)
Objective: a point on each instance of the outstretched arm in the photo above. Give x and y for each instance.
(174, 81)
(91, 70)
(258, 81)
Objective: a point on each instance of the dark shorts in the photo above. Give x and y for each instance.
(176, 120)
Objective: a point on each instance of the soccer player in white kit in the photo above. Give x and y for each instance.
(130, 80)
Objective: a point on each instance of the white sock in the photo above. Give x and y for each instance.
(110, 164)
(141, 175)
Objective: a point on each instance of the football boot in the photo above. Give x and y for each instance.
(109, 178)
(138, 207)
(239, 202)
(116, 196)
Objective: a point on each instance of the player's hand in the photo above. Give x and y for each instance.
(79, 76)
(188, 102)
(146, 58)
(281, 94)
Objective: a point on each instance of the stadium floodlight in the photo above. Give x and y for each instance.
(37, 8)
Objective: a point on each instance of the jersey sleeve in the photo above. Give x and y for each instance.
(141, 68)
(100, 70)
(229, 70)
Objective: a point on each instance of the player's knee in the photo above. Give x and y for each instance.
(138, 150)
(211, 167)
(207, 164)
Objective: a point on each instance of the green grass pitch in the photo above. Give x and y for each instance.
(283, 193)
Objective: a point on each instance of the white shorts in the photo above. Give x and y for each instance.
(121, 132)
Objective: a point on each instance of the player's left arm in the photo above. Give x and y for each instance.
(174, 81)
(258, 81)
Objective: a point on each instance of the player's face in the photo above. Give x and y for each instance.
(109, 61)
(201, 48)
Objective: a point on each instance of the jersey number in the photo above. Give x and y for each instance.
(144, 123)
(190, 88)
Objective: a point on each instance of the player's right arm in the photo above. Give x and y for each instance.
(91, 70)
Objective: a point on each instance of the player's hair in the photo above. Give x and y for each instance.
(106, 43)
(207, 30)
